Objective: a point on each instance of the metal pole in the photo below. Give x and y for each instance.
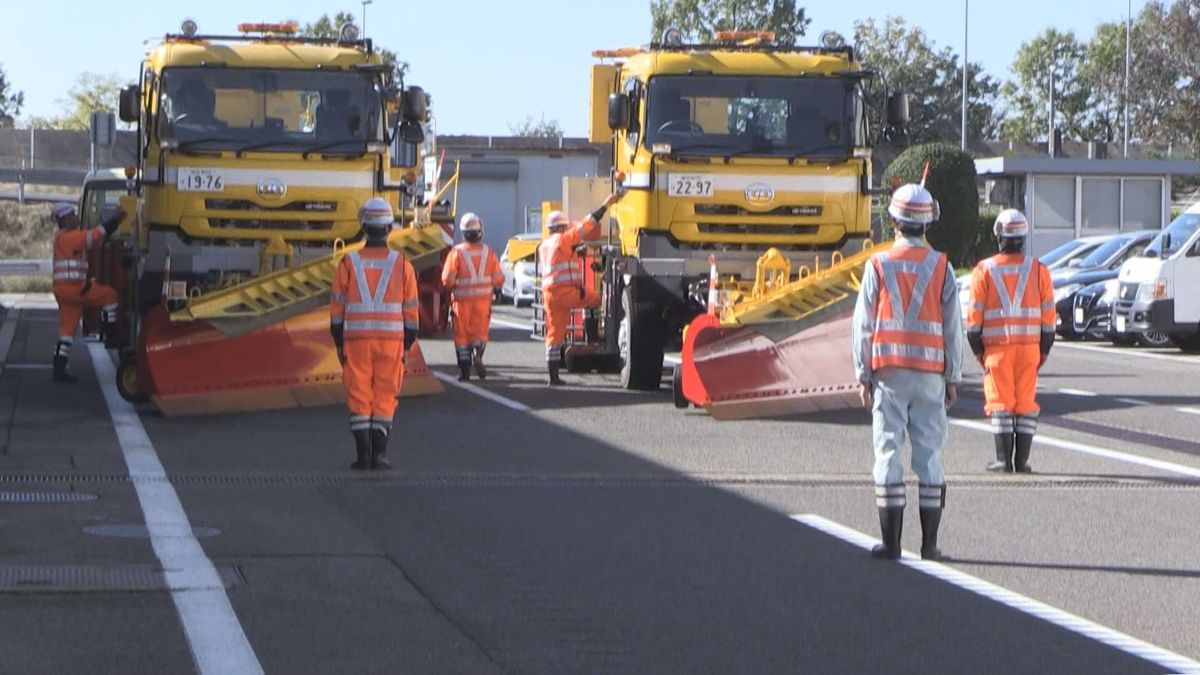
(966, 26)
(364, 16)
(1128, 53)
(31, 135)
(1050, 137)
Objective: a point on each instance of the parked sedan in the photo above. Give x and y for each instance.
(1102, 264)
(518, 277)
(1076, 249)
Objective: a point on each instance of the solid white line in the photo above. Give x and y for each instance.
(1190, 411)
(1174, 663)
(511, 324)
(1077, 392)
(1132, 401)
(482, 393)
(1086, 449)
(7, 332)
(216, 639)
(28, 366)
(1130, 352)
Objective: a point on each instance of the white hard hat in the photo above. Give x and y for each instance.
(1011, 224)
(557, 219)
(377, 212)
(912, 203)
(62, 210)
(470, 223)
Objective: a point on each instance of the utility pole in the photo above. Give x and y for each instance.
(364, 16)
(1050, 136)
(1128, 55)
(966, 27)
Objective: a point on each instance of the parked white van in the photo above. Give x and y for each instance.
(1160, 290)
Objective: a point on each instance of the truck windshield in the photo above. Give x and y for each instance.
(760, 115)
(1177, 233)
(275, 109)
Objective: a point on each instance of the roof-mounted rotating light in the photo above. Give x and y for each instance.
(188, 27)
(348, 33)
(285, 28)
(672, 36)
(832, 39)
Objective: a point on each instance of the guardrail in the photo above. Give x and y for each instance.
(25, 268)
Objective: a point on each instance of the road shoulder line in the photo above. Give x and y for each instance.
(1175, 663)
(482, 393)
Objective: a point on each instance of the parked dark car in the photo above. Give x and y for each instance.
(1100, 265)
(1076, 249)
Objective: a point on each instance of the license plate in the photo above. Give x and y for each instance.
(200, 180)
(689, 185)
(1120, 324)
(1079, 315)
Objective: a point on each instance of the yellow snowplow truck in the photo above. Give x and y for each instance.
(256, 151)
(728, 150)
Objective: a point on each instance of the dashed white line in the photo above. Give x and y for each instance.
(511, 324)
(1086, 449)
(1175, 663)
(1077, 392)
(1190, 411)
(1132, 401)
(483, 393)
(215, 638)
(1134, 353)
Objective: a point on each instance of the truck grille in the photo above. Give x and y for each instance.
(247, 205)
(260, 224)
(811, 211)
(1127, 291)
(756, 228)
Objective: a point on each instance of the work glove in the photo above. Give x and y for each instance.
(410, 336)
(110, 225)
(337, 331)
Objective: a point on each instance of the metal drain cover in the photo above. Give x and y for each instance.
(45, 497)
(132, 531)
(94, 578)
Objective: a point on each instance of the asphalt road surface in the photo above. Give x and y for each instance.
(587, 529)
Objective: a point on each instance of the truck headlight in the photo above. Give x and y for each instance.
(1064, 291)
(1155, 290)
(1112, 287)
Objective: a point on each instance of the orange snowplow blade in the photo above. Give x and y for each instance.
(742, 372)
(191, 368)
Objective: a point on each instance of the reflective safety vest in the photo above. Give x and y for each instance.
(471, 272)
(908, 316)
(70, 254)
(374, 295)
(558, 265)
(1012, 300)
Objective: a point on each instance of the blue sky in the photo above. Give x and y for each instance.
(488, 64)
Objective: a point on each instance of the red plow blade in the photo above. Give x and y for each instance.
(191, 368)
(743, 372)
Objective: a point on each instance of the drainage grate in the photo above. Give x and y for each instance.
(583, 481)
(45, 497)
(94, 578)
(134, 531)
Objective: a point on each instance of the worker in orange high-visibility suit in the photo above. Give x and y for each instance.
(561, 272)
(1010, 327)
(373, 313)
(907, 350)
(471, 273)
(73, 288)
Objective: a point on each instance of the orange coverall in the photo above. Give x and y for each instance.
(374, 298)
(71, 287)
(561, 271)
(471, 272)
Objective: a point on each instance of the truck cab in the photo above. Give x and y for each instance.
(1160, 290)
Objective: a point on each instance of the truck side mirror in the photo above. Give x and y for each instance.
(414, 105)
(897, 110)
(127, 105)
(618, 111)
(411, 132)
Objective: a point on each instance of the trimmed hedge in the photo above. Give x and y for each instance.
(952, 182)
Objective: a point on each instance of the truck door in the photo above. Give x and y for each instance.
(1187, 283)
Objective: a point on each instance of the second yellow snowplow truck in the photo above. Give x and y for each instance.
(727, 150)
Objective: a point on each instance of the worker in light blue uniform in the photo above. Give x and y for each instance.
(907, 346)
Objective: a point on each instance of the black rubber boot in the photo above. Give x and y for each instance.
(480, 369)
(464, 371)
(552, 369)
(60, 371)
(1024, 446)
(891, 523)
(379, 441)
(930, 520)
(1004, 453)
(362, 448)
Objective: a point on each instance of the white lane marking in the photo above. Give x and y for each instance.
(28, 366)
(1132, 401)
(1190, 411)
(1174, 663)
(216, 639)
(1086, 449)
(1077, 392)
(482, 393)
(511, 324)
(1137, 354)
(7, 332)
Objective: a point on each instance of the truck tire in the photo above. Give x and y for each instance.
(640, 340)
(1188, 342)
(1152, 339)
(677, 396)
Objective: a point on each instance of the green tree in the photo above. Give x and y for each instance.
(328, 28)
(1103, 71)
(539, 128)
(906, 60)
(11, 101)
(1051, 55)
(700, 19)
(951, 180)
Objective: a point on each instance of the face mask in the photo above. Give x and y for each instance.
(472, 236)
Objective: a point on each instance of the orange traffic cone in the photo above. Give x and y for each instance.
(418, 379)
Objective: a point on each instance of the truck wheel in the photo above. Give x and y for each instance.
(128, 385)
(677, 389)
(640, 340)
(1188, 342)
(1152, 339)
